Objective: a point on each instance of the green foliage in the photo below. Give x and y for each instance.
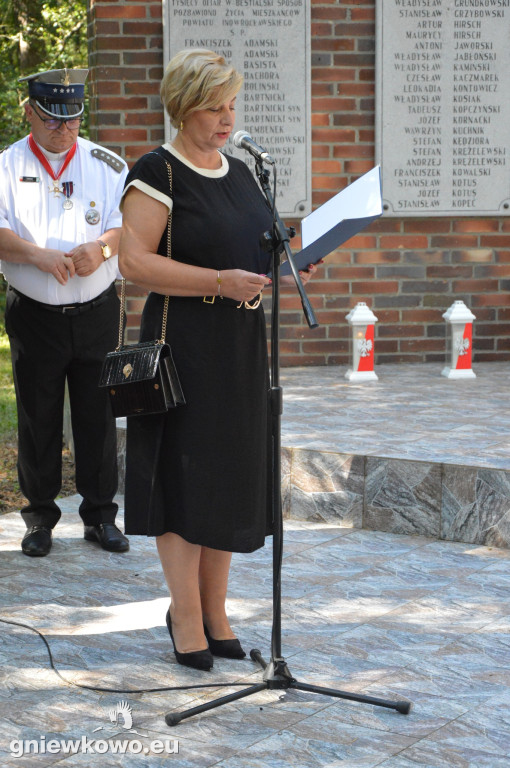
(3, 286)
(8, 419)
(35, 36)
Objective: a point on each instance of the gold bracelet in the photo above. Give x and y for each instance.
(218, 280)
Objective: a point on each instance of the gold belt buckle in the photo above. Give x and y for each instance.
(209, 299)
(247, 304)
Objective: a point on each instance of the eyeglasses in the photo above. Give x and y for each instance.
(52, 124)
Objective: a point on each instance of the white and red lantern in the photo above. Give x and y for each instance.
(459, 351)
(362, 321)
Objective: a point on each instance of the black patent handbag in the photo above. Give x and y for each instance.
(142, 378)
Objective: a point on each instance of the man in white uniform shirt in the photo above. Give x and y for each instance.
(59, 232)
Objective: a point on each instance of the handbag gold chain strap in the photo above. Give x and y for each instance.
(123, 286)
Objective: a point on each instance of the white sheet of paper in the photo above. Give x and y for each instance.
(360, 200)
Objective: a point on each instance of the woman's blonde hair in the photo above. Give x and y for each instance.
(197, 79)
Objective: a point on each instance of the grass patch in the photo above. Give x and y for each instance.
(8, 419)
(10, 495)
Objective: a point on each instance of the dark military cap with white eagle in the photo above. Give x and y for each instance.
(58, 92)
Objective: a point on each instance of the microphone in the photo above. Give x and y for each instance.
(243, 140)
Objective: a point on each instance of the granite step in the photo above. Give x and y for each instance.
(410, 453)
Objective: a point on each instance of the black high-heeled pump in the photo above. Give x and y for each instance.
(228, 649)
(196, 659)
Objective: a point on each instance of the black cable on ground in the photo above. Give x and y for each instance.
(117, 690)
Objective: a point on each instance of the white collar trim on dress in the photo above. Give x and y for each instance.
(213, 174)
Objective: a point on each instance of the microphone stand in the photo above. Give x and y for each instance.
(277, 675)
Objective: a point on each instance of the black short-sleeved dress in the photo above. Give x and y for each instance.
(203, 470)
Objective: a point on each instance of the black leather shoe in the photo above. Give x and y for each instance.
(196, 659)
(228, 649)
(108, 535)
(37, 541)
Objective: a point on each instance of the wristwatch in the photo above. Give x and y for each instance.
(105, 249)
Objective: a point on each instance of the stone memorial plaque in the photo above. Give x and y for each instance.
(443, 112)
(268, 41)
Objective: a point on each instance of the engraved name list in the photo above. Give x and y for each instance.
(268, 41)
(443, 113)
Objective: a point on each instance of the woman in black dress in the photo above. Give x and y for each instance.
(199, 477)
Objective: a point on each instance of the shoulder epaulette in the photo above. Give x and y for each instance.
(106, 157)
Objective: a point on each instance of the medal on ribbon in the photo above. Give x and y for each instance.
(67, 189)
(54, 186)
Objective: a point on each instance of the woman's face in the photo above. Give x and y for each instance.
(210, 128)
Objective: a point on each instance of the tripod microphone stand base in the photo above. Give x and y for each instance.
(277, 677)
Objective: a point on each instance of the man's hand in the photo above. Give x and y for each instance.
(57, 263)
(86, 258)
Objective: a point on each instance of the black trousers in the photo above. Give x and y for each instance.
(48, 348)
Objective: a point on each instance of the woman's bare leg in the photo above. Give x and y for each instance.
(181, 565)
(213, 575)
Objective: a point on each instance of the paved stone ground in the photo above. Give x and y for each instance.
(397, 617)
(411, 412)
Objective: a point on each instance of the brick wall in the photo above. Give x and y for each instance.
(408, 271)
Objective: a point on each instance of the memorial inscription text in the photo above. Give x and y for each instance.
(268, 41)
(443, 116)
